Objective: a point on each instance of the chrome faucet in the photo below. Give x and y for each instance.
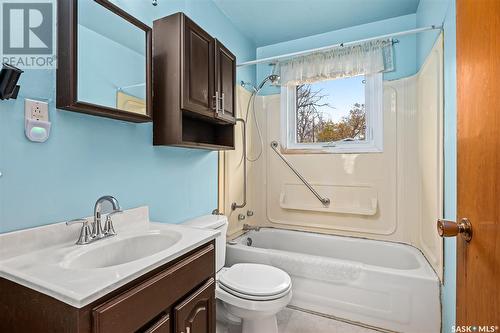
(90, 234)
(97, 231)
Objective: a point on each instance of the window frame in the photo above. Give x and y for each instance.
(373, 142)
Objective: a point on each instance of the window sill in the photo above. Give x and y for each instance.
(332, 150)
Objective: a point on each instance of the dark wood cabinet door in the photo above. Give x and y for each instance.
(162, 325)
(196, 314)
(198, 80)
(225, 69)
(137, 306)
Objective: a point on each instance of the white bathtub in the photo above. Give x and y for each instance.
(381, 284)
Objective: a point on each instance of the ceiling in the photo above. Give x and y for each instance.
(273, 21)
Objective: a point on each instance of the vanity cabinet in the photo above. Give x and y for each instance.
(161, 326)
(176, 297)
(196, 312)
(193, 86)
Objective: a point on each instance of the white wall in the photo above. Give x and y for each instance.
(231, 175)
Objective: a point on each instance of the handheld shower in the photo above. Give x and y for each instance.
(273, 78)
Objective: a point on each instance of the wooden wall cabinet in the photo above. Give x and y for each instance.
(193, 86)
(178, 297)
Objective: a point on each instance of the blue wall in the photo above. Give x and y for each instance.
(433, 12)
(88, 156)
(404, 55)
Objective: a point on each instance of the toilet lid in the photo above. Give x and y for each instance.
(253, 297)
(255, 279)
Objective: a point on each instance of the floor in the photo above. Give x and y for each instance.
(294, 321)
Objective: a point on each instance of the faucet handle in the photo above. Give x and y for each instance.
(85, 233)
(109, 230)
(75, 221)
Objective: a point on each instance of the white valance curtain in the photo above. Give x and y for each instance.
(360, 59)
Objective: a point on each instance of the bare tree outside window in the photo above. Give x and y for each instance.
(311, 123)
(309, 117)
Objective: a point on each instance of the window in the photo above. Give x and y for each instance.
(338, 116)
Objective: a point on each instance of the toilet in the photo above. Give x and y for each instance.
(250, 294)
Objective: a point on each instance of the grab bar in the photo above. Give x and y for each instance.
(324, 201)
(234, 205)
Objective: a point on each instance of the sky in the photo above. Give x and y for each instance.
(342, 94)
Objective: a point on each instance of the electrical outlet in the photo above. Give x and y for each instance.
(36, 110)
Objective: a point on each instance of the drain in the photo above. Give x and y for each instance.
(249, 241)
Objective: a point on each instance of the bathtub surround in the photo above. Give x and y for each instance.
(231, 166)
(405, 179)
(444, 11)
(413, 52)
(396, 181)
(87, 156)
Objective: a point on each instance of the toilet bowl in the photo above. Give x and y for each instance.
(248, 294)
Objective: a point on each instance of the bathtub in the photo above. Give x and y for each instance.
(380, 284)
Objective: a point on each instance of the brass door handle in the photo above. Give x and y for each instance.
(448, 228)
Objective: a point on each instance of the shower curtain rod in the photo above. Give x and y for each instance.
(324, 48)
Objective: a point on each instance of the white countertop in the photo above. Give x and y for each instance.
(36, 257)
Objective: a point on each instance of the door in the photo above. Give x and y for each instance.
(198, 80)
(478, 161)
(225, 69)
(196, 314)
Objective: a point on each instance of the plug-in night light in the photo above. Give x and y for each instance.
(38, 133)
(37, 130)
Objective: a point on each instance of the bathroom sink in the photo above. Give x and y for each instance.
(121, 251)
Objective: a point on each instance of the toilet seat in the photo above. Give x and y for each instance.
(254, 281)
(271, 306)
(253, 297)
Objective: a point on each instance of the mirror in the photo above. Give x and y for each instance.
(108, 64)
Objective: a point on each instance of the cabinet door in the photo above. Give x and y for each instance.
(198, 81)
(225, 69)
(162, 325)
(196, 314)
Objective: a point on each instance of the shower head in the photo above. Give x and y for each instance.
(248, 85)
(273, 78)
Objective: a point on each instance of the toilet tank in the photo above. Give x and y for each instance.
(213, 222)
